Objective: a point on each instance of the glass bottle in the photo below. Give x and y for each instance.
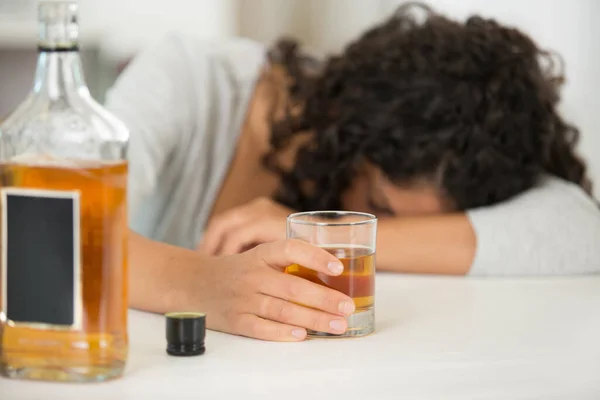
(63, 181)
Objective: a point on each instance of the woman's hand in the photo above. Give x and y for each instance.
(247, 294)
(241, 228)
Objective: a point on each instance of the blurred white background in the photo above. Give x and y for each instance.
(113, 30)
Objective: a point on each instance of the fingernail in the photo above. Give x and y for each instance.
(299, 333)
(347, 307)
(335, 267)
(338, 326)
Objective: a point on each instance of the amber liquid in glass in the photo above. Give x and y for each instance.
(98, 350)
(357, 280)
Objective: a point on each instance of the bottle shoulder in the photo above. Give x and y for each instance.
(74, 126)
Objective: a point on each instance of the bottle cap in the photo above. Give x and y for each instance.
(185, 333)
(58, 25)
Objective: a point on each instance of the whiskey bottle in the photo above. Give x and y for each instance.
(63, 221)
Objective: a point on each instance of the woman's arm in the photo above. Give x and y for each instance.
(158, 273)
(553, 229)
(244, 294)
(437, 244)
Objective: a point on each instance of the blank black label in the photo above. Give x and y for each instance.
(40, 256)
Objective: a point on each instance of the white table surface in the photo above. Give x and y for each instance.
(438, 338)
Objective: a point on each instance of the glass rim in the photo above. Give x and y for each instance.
(368, 218)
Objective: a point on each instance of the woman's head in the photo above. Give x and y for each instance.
(423, 116)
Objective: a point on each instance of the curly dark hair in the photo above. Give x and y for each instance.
(470, 107)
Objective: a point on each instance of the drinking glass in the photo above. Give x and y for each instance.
(351, 237)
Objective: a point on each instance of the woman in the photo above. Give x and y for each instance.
(448, 131)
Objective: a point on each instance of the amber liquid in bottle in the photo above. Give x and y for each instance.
(97, 349)
(357, 280)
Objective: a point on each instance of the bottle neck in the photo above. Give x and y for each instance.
(59, 74)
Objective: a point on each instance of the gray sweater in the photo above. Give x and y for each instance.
(184, 101)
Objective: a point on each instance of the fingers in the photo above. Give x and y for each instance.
(217, 229)
(259, 328)
(239, 239)
(278, 310)
(281, 254)
(301, 291)
(243, 237)
(262, 220)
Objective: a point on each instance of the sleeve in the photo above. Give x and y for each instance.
(152, 99)
(553, 229)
